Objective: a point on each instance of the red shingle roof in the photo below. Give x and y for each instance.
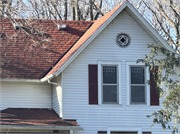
(96, 25)
(33, 117)
(21, 58)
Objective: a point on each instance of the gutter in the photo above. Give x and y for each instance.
(20, 80)
(49, 77)
(27, 127)
(53, 83)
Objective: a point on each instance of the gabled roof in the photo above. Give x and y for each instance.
(90, 32)
(22, 59)
(95, 29)
(15, 118)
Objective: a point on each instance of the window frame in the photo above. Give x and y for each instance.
(127, 129)
(100, 79)
(144, 85)
(128, 80)
(110, 84)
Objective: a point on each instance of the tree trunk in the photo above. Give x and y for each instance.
(65, 9)
(90, 9)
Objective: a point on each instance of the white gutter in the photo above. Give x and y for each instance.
(19, 80)
(27, 127)
(49, 77)
(53, 83)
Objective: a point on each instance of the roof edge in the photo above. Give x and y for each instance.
(19, 80)
(87, 42)
(150, 28)
(27, 127)
(46, 78)
(123, 5)
(90, 39)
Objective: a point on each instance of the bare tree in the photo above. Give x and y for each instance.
(165, 19)
(164, 15)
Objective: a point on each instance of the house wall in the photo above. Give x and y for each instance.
(57, 95)
(95, 118)
(25, 95)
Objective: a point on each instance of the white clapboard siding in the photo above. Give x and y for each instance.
(95, 118)
(57, 95)
(25, 95)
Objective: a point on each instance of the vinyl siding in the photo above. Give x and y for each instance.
(57, 95)
(25, 95)
(95, 118)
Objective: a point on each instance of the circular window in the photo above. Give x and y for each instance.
(123, 40)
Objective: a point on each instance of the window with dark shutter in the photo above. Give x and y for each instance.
(153, 92)
(93, 84)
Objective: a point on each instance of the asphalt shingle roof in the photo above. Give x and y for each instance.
(33, 117)
(95, 26)
(24, 59)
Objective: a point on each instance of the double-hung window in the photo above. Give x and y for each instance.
(138, 91)
(109, 82)
(137, 85)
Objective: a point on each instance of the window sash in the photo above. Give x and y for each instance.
(138, 85)
(110, 84)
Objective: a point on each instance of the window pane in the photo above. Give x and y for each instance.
(109, 93)
(137, 75)
(138, 94)
(109, 74)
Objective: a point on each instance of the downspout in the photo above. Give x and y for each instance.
(57, 84)
(71, 131)
(53, 83)
(59, 96)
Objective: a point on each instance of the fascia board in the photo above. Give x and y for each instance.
(19, 80)
(90, 39)
(49, 77)
(150, 28)
(26, 127)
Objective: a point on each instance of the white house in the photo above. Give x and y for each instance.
(90, 79)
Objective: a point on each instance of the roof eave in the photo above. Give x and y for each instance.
(37, 128)
(19, 80)
(49, 77)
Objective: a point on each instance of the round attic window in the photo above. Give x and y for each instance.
(123, 40)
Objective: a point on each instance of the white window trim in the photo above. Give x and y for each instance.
(126, 129)
(147, 86)
(118, 64)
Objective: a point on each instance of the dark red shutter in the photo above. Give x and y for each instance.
(154, 95)
(102, 132)
(93, 84)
